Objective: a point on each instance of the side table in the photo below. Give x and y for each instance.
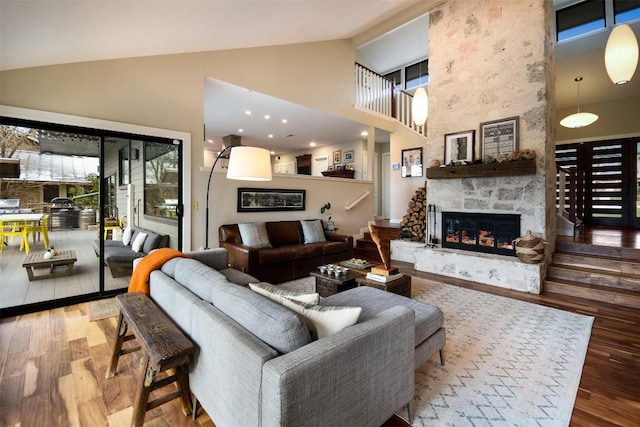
(400, 286)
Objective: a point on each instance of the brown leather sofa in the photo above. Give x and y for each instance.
(289, 257)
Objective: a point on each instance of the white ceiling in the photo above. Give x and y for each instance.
(45, 32)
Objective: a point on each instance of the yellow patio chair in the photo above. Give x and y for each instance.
(14, 228)
(40, 229)
(111, 228)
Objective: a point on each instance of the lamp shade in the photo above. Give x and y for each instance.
(621, 54)
(420, 107)
(249, 164)
(578, 120)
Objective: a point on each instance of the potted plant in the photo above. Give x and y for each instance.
(325, 211)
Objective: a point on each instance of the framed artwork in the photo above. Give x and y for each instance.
(499, 138)
(348, 156)
(459, 147)
(412, 162)
(337, 157)
(269, 200)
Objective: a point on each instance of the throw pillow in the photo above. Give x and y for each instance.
(313, 231)
(323, 321)
(254, 234)
(126, 236)
(137, 244)
(274, 293)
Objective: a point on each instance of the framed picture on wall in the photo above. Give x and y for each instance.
(348, 156)
(412, 162)
(458, 147)
(499, 138)
(269, 200)
(337, 157)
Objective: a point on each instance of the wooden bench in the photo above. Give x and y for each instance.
(163, 346)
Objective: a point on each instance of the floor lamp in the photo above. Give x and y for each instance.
(246, 164)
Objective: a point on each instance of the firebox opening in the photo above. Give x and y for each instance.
(480, 232)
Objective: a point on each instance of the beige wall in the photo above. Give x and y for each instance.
(167, 92)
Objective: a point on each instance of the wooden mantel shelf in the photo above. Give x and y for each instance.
(520, 167)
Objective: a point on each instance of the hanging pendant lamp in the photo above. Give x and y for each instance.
(420, 107)
(621, 54)
(579, 119)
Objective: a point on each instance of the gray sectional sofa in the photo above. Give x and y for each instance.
(256, 364)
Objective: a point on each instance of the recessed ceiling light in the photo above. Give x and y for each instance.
(312, 144)
(247, 112)
(210, 141)
(267, 117)
(272, 152)
(364, 133)
(270, 135)
(240, 130)
(284, 120)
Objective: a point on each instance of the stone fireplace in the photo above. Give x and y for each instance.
(480, 232)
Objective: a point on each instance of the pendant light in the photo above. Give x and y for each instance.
(621, 54)
(420, 104)
(578, 120)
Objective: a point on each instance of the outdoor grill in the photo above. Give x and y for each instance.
(9, 206)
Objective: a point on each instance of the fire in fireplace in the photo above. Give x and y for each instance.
(480, 232)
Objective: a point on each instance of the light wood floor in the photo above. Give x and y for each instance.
(17, 290)
(52, 367)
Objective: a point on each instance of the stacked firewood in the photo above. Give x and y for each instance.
(413, 224)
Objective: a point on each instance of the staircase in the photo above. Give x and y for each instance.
(366, 248)
(599, 273)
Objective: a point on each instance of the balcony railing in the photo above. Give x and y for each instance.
(377, 94)
(570, 196)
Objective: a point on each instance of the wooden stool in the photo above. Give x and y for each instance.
(163, 346)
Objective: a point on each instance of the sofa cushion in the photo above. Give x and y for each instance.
(275, 293)
(197, 277)
(310, 250)
(331, 248)
(120, 254)
(276, 256)
(126, 236)
(429, 318)
(152, 241)
(138, 242)
(313, 231)
(254, 234)
(284, 233)
(275, 325)
(323, 321)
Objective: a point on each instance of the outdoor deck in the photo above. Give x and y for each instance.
(16, 289)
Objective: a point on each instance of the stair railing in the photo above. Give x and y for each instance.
(358, 200)
(376, 93)
(570, 196)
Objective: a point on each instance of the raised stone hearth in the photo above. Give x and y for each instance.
(496, 270)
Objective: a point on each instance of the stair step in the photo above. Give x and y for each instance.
(620, 297)
(596, 250)
(612, 265)
(366, 244)
(591, 276)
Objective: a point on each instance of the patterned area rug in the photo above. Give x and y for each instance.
(507, 362)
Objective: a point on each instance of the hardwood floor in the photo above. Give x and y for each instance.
(53, 364)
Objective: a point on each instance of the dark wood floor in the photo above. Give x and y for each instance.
(603, 236)
(52, 366)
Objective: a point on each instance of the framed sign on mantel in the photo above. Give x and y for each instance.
(499, 138)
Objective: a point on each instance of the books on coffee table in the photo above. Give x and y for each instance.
(382, 278)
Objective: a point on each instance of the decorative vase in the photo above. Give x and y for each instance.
(47, 255)
(529, 248)
(330, 226)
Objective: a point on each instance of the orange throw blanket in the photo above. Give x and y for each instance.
(140, 277)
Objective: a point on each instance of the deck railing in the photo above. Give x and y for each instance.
(377, 94)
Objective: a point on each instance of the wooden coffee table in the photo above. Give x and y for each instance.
(58, 266)
(400, 286)
(330, 284)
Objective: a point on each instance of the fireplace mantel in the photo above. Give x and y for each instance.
(488, 170)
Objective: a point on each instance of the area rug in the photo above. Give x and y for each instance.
(507, 362)
(102, 309)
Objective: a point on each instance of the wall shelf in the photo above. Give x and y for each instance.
(489, 170)
(347, 173)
